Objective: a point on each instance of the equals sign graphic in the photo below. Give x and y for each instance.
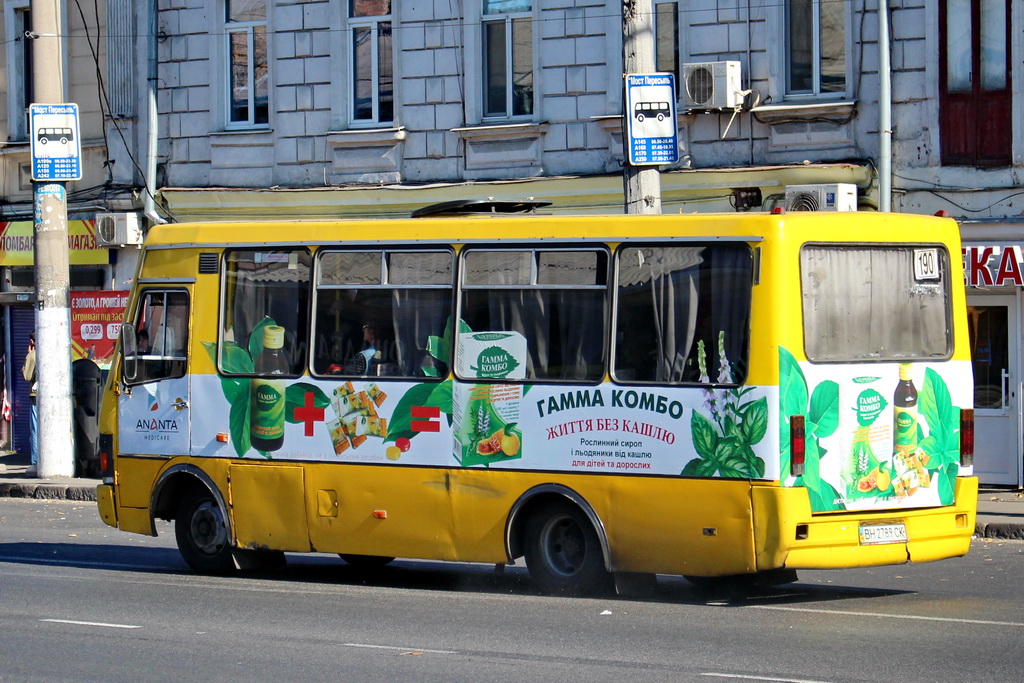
(425, 419)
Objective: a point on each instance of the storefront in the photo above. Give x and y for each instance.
(994, 274)
(90, 275)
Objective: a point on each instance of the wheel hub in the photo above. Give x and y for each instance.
(209, 533)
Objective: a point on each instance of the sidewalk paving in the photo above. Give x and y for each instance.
(1000, 510)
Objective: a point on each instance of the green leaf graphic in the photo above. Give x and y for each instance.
(755, 421)
(705, 440)
(824, 413)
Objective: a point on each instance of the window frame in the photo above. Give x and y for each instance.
(946, 283)
(383, 285)
(508, 20)
(222, 311)
(676, 43)
(602, 249)
(19, 69)
(816, 91)
(374, 24)
(249, 30)
(176, 365)
(740, 377)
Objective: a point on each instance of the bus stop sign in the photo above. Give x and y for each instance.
(651, 119)
(56, 146)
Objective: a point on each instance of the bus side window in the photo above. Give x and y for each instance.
(379, 313)
(161, 330)
(557, 299)
(683, 313)
(264, 288)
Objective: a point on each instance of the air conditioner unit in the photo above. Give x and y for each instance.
(831, 197)
(118, 229)
(712, 85)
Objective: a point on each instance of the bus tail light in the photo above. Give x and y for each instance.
(106, 455)
(966, 437)
(796, 445)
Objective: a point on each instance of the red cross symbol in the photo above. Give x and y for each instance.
(308, 414)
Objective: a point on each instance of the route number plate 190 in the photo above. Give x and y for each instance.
(879, 534)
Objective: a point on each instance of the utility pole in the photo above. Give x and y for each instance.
(884, 111)
(641, 184)
(52, 270)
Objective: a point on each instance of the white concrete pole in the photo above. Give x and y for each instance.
(52, 270)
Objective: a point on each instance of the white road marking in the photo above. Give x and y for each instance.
(403, 649)
(88, 623)
(761, 678)
(880, 615)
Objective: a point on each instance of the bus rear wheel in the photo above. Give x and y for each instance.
(202, 534)
(563, 552)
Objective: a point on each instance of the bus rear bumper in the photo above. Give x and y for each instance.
(105, 503)
(833, 541)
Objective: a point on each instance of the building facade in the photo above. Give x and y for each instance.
(220, 109)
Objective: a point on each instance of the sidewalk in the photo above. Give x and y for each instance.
(15, 483)
(1000, 510)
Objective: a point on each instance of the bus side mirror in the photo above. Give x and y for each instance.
(129, 352)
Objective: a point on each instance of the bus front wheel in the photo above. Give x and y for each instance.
(202, 534)
(563, 552)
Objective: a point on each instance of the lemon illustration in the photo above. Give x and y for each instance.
(509, 444)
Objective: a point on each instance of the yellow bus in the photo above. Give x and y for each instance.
(604, 396)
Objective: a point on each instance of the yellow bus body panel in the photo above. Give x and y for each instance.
(106, 505)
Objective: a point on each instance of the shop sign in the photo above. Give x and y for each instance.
(95, 324)
(17, 241)
(993, 266)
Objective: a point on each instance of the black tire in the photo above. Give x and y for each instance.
(640, 118)
(661, 117)
(366, 561)
(563, 552)
(202, 533)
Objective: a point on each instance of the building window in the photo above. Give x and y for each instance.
(666, 38)
(248, 86)
(372, 75)
(508, 57)
(19, 73)
(975, 99)
(815, 47)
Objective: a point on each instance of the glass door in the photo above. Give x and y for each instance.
(995, 353)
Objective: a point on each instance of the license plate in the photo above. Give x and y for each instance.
(879, 534)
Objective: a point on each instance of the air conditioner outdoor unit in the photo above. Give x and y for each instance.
(118, 229)
(712, 85)
(829, 197)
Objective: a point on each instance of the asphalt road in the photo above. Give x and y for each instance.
(84, 602)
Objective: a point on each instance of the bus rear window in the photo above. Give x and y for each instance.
(884, 303)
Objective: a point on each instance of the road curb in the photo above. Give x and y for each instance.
(1000, 530)
(48, 491)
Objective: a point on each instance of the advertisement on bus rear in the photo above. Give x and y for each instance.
(878, 436)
